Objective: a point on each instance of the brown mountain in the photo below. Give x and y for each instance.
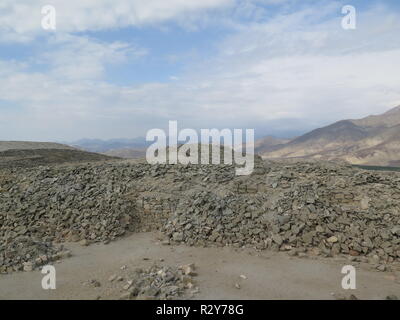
(126, 153)
(15, 154)
(374, 140)
(267, 143)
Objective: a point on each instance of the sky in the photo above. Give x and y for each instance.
(118, 68)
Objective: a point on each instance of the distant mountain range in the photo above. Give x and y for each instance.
(374, 140)
(102, 146)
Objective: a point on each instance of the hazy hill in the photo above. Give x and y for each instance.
(374, 140)
(127, 153)
(98, 145)
(29, 154)
(388, 119)
(29, 145)
(267, 143)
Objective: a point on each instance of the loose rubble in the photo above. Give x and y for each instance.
(318, 208)
(160, 283)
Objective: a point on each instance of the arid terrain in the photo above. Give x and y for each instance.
(190, 150)
(25, 154)
(374, 140)
(265, 274)
(125, 229)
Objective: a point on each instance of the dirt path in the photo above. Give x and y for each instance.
(269, 275)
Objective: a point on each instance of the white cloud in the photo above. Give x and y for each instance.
(80, 57)
(21, 20)
(301, 66)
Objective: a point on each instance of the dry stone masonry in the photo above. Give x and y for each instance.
(300, 207)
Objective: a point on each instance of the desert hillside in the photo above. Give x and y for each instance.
(31, 154)
(268, 143)
(126, 153)
(373, 140)
(30, 145)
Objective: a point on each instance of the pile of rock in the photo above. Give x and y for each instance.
(207, 218)
(160, 283)
(41, 206)
(26, 254)
(91, 202)
(295, 206)
(324, 208)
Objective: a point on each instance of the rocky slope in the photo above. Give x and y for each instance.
(299, 207)
(38, 157)
(126, 153)
(373, 140)
(31, 154)
(32, 145)
(268, 143)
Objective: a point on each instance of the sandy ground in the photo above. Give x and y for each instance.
(269, 275)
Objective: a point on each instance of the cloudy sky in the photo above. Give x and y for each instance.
(116, 68)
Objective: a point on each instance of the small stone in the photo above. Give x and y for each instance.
(365, 203)
(112, 277)
(277, 239)
(95, 283)
(134, 291)
(188, 269)
(84, 242)
(381, 267)
(177, 236)
(354, 253)
(151, 291)
(125, 296)
(195, 290)
(332, 239)
(92, 283)
(189, 285)
(64, 254)
(127, 286)
(28, 266)
(237, 285)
